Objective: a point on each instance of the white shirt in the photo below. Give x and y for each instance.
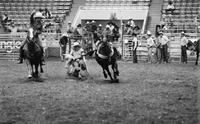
(184, 41)
(77, 54)
(170, 6)
(150, 42)
(136, 42)
(164, 40)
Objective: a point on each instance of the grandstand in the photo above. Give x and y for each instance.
(146, 13)
(19, 10)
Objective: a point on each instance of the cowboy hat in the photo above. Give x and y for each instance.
(38, 15)
(65, 34)
(182, 32)
(93, 21)
(148, 33)
(76, 44)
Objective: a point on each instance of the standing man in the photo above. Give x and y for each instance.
(135, 45)
(63, 44)
(183, 43)
(150, 46)
(164, 47)
(70, 31)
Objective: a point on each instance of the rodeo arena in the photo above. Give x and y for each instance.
(99, 62)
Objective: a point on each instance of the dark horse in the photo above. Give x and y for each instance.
(194, 47)
(33, 57)
(107, 55)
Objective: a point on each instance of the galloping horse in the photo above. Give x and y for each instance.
(107, 55)
(194, 47)
(33, 57)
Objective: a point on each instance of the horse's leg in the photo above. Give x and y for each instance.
(30, 71)
(36, 70)
(104, 73)
(116, 67)
(108, 71)
(197, 59)
(114, 71)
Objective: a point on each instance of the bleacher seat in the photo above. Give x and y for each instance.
(19, 10)
(183, 19)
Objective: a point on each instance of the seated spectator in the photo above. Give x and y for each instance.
(170, 8)
(78, 31)
(5, 18)
(136, 30)
(47, 14)
(57, 19)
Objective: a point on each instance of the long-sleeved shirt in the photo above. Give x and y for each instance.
(163, 40)
(150, 42)
(184, 41)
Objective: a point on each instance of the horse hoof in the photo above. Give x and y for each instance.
(115, 81)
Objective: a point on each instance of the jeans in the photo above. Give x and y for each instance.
(183, 54)
(164, 53)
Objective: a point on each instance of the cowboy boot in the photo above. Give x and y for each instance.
(20, 56)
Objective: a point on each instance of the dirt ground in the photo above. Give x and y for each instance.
(146, 94)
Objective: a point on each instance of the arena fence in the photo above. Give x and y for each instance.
(127, 48)
(10, 43)
(174, 50)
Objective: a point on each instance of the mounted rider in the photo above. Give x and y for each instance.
(36, 27)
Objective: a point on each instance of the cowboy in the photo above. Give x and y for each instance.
(77, 55)
(164, 46)
(35, 29)
(183, 43)
(150, 46)
(63, 44)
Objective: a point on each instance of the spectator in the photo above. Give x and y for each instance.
(100, 32)
(94, 31)
(170, 8)
(132, 23)
(158, 49)
(158, 30)
(63, 44)
(47, 13)
(164, 47)
(78, 30)
(107, 32)
(150, 47)
(135, 45)
(5, 18)
(70, 31)
(183, 43)
(136, 30)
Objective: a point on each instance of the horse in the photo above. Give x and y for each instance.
(32, 54)
(195, 47)
(105, 56)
